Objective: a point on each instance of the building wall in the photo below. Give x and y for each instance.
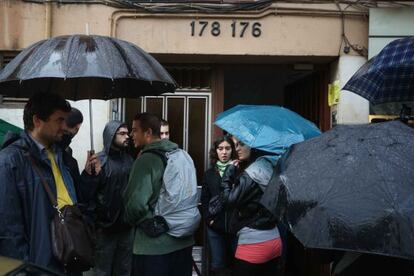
(280, 35)
(300, 31)
(12, 115)
(284, 32)
(352, 108)
(386, 25)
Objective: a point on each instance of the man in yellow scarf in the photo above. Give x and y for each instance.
(25, 209)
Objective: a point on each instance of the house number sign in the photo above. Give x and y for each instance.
(215, 28)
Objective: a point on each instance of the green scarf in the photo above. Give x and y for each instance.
(222, 166)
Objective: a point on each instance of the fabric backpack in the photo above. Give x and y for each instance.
(178, 199)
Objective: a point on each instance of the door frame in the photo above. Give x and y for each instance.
(186, 95)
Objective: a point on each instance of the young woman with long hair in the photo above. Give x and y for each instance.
(219, 241)
(259, 245)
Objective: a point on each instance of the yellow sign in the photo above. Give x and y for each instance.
(333, 93)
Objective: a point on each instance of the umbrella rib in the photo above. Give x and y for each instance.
(385, 188)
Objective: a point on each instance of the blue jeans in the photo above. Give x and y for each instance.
(222, 247)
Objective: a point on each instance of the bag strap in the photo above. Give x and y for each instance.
(44, 182)
(160, 154)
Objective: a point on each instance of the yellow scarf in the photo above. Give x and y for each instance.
(63, 197)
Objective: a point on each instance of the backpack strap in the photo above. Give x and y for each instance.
(160, 154)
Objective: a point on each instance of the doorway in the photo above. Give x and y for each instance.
(189, 116)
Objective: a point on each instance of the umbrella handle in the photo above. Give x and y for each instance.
(93, 170)
(91, 124)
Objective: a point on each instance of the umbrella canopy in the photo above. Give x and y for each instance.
(387, 77)
(268, 128)
(85, 67)
(352, 188)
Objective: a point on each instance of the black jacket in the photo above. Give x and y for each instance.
(73, 168)
(107, 187)
(211, 186)
(241, 197)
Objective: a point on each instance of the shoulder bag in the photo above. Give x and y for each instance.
(71, 237)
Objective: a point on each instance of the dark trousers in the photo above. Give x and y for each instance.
(243, 268)
(113, 253)
(177, 263)
(222, 248)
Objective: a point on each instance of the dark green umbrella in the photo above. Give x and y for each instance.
(6, 127)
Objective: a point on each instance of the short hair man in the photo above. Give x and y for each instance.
(72, 125)
(114, 236)
(164, 130)
(25, 209)
(165, 254)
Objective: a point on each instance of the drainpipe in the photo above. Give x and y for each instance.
(48, 19)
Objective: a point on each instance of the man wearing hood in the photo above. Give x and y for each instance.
(164, 254)
(114, 236)
(25, 209)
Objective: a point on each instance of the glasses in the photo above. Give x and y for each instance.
(122, 133)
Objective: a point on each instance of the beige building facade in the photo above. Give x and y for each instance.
(283, 53)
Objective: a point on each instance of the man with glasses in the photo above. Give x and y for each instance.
(114, 237)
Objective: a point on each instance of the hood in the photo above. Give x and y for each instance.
(109, 132)
(24, 142)
(262, 169)
(163, 145)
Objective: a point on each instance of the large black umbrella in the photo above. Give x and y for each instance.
(351, 188)
(387, 77)
(85, 67)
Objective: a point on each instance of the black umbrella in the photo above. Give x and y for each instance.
(351, 188)
(85, 67)
(387, 77)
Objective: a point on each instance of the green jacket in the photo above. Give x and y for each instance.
(142, 191)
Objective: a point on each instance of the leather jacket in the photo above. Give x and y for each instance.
(241, 197)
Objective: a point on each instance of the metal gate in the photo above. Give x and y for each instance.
(189, 118)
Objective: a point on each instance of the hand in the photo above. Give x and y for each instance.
(92, 161)
(211, 222)
(236, 163)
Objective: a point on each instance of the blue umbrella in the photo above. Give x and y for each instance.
(268, 128)
(387, 77)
